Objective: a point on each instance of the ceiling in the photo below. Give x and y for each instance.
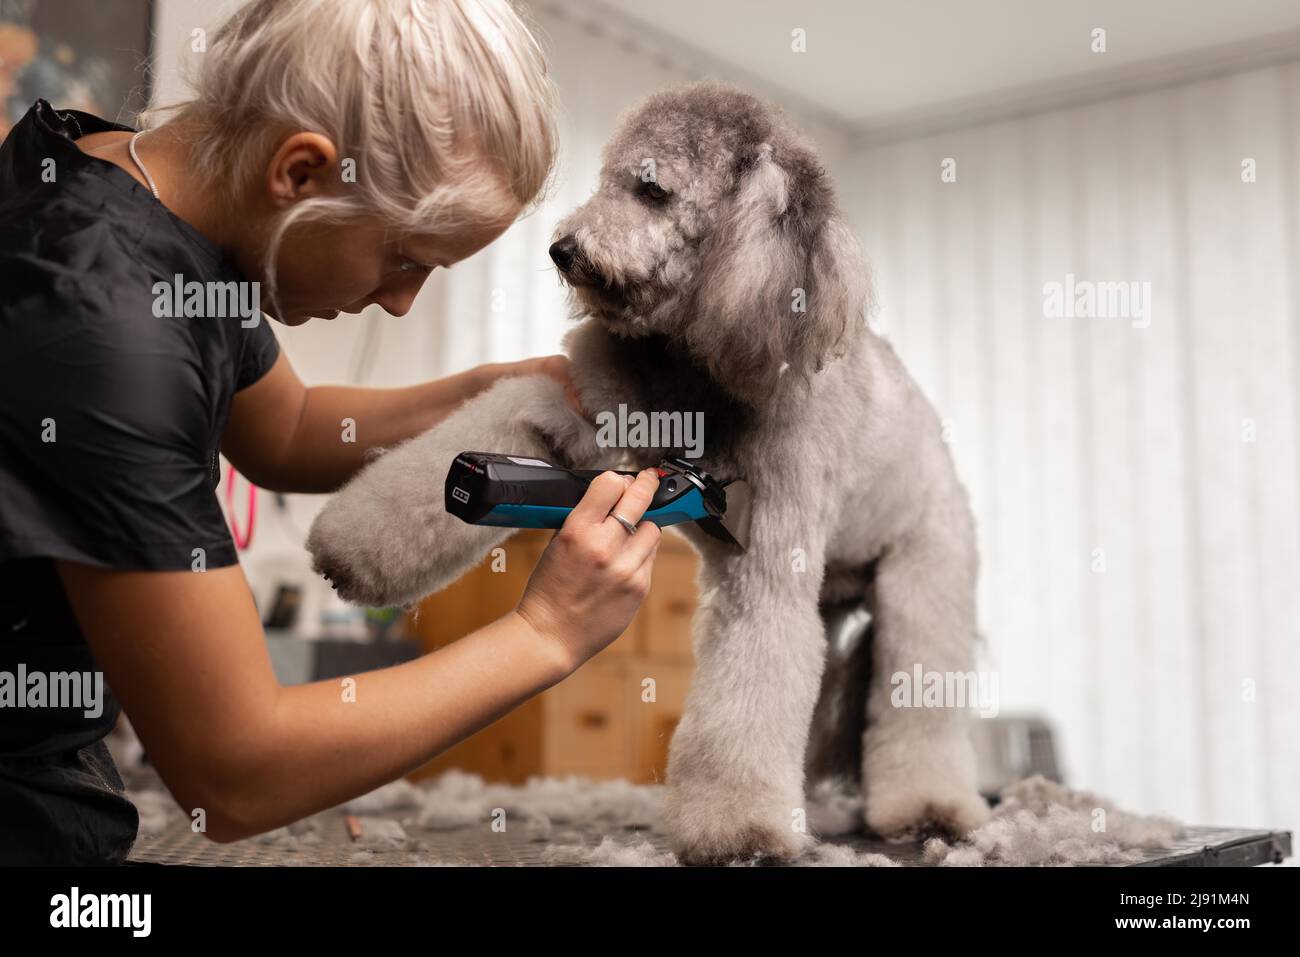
(874, 66)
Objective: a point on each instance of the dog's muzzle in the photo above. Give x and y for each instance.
(575, 267)
(578, 272)
(564, 252)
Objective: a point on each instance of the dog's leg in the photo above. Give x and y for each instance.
(918, 767)
(387, 538)
(735, 767)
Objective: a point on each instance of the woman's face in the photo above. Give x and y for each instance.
(323, 269)
(326, 268)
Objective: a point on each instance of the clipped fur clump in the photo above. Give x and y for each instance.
(1039, 822)
(456, 799)
(840, 855)
(609, 853)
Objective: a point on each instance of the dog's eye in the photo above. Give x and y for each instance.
(653, 190)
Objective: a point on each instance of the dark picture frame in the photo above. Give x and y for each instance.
(89, 55)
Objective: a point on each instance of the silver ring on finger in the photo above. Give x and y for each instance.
(631, 529)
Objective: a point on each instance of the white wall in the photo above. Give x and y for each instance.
(1171, 674)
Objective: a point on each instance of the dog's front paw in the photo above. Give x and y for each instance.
(338, 556)
(921, 787)
(377, 549)
(717, 826)
(352, 585)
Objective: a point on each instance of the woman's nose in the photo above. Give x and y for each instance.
(396, 303)
(397, 297)
(563, 251)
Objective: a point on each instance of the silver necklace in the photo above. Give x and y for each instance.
(135, 157)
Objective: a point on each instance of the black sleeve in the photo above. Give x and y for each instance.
(261, 349)
(107, 425)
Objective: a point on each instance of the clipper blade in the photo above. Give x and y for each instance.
(732, 526)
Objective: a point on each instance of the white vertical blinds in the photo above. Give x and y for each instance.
(1137, 488)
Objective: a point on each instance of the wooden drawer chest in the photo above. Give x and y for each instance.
(614, 717)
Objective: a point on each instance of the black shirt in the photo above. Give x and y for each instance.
(110, 416)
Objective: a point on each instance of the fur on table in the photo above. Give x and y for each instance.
(615, 823)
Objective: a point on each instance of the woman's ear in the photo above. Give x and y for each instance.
(779, 286)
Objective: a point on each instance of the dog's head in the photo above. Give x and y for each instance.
(715, 224)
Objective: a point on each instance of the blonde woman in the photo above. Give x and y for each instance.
(336, 152)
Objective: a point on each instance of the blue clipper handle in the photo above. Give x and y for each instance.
(489, 488)
(684, 508)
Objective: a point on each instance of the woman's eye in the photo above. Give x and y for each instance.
(409, 265)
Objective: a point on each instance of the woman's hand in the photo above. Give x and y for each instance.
(594, 575)
(556, 366)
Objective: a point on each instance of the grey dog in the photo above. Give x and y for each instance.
(711, 272)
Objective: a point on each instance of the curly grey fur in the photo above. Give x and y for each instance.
(688, 291)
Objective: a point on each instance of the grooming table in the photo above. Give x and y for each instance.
(331, 846)
(1203, 847)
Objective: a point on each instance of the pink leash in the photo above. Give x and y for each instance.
(242, 540)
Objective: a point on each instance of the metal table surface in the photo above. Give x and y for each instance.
(324, 841)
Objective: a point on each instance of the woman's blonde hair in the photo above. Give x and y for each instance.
(443, 106)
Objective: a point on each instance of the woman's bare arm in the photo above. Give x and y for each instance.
(287, 437)
(185, 654)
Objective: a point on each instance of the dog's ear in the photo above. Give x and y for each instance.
(781, 284)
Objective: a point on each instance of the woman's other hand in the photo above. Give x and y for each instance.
(556, 366)
(593, 575)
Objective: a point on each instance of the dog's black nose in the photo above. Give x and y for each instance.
(563, 251)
